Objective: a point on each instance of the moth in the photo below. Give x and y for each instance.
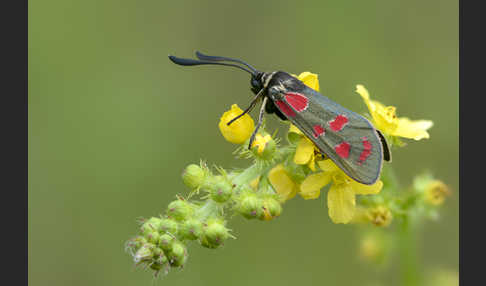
(344, 136)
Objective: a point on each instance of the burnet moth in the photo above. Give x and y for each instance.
(344, 136)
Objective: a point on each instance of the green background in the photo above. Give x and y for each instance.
(112, 123)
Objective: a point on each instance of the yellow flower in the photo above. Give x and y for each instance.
(260, 142)
(436, 192)
(264, 146)
(306, 152)
(282, 183)
(386, 120)
(240, 130)
(341, 200)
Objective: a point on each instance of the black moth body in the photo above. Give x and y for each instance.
(345, 137)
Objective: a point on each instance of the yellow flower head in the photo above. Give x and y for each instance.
(282, 182)
(436, 192)
(386, 120)
(341, 199)
(240, 130)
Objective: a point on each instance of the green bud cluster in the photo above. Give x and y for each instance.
(162, 242)
(261, 206)
(214, 233)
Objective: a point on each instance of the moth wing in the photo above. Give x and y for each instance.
(346, 137)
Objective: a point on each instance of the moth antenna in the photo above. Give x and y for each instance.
(260, 120)
(191, 62)
(204, 57)
(248, 109)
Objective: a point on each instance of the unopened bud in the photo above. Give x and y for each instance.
(271, 209)
(214, 233)
(165, 241)
(380, 216)
(191, 229)
(193, 176)
(177, 255)
(153, 237)
(144, 253)
(436, 192)
(179, 210)
(168, 226)
(250, 206)
(151, 225)
(221, 191)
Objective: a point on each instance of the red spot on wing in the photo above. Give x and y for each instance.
(366, 150)
(338, 123)
(343, 149)
(285, 108)
(318, 130)
(298, 101)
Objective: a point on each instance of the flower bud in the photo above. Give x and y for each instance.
(221, 191)
(165, 241)
(380, 216)
(177, 255)
(271, 209)
(151, 225)
(214, 233)
(159, 260)
(168, 226)
(144, 253)
(238, 131)
(375, 247)
(264, 146)
(136, 243)
(436, 192)
(250, 206)
(193, 176)
(153, 237)
(191, 229)
(179, 210)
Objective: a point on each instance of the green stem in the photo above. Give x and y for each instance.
(408, 253)
(247, 175)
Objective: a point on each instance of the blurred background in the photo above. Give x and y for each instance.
(112, 123)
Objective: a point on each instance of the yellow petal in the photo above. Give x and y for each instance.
(304, 151)
(309, 79)
(294, 129)
(282, 183)
(416, 129)
(311, 187)
(260, 142)
(327, 165)
(384, 117)
(341, 203)
(361, 90)
(362, 189)
(240, 130)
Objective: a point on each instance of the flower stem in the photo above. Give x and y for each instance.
(408, 253)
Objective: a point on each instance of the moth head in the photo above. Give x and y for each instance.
(257, 81)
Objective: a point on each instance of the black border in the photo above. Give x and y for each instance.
(14, 117)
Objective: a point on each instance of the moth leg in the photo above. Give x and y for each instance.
(249, 108)
(260, 120)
